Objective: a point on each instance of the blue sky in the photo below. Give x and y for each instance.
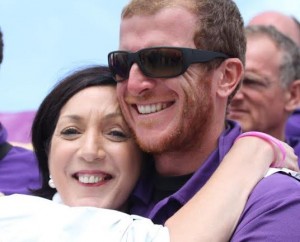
(46, 40)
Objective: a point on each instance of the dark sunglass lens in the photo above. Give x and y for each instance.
(118, 63)
(162, 62)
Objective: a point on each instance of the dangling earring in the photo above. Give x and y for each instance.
(51, 182)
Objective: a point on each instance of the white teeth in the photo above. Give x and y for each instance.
(89, 179)
(146, 109)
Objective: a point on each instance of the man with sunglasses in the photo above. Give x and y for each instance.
(180, 62)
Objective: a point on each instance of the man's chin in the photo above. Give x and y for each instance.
(151, 147)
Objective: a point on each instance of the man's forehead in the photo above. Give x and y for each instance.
(163, 29)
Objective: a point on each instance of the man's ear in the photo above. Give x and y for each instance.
(293, 101)
(232, 71)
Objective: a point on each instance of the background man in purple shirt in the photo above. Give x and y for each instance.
(18, 166)
(270, 92)
(289, 26)
(174, 98)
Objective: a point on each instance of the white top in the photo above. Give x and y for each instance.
(25, 218)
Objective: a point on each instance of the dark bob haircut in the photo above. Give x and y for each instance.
(47, 115)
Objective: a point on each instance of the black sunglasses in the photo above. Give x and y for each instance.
(158, 62)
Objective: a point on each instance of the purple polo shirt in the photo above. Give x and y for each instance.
(292, 132)
(272, 211)
(257, 222)
(18, 169)
(292, 128)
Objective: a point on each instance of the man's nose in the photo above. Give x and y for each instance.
(137, 82)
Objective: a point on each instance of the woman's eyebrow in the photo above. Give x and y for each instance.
(113, 115)
(75, 117)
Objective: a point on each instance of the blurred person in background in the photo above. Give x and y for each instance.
(290, 26)
(18, 166)
(270, 91)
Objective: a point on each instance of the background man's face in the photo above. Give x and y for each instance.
(259, 104)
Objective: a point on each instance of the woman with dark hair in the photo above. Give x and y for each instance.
(87, 157)
(82, 113)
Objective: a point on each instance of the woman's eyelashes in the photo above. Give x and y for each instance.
(117, 135)
(70, 132)
(113, 134)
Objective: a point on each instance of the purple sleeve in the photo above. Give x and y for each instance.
(292, 128)
(272, 212)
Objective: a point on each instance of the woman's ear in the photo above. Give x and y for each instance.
(293, 99)
(231, 71)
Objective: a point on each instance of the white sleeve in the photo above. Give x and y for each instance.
(25, 218)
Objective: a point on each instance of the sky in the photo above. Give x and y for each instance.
(47, 39)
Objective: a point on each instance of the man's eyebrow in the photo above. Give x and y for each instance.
(250, 74)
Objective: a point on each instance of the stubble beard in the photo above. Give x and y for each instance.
(191, 128)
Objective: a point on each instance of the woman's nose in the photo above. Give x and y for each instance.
(92, 149)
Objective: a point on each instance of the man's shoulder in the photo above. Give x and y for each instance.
(19, 171)
(274, 191)
(293, 124)
(277, 181)
(20, 159)
(272, 211)
(21, 153)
